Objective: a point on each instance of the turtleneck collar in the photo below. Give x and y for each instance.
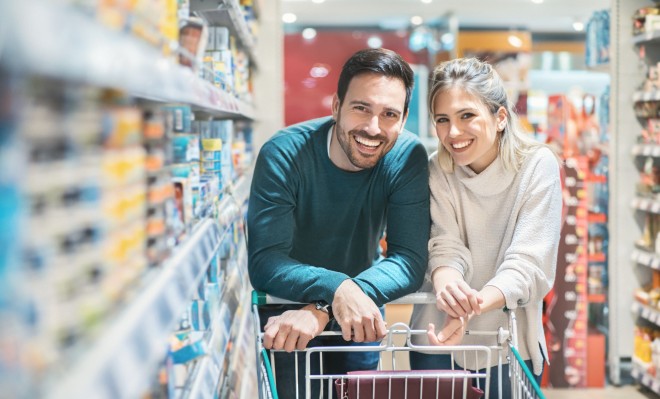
(491, 181)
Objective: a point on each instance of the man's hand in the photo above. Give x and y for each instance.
(451, 334)
(357, 314)
(294, 329)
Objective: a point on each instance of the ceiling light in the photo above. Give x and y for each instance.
(515, 41)
(416, 20)
(578, 26)
(375, 42)
(537, 1)
(309, 33)
(427, 1)
(289, 18)
(318, 1)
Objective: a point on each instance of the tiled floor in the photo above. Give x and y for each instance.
(624, 392)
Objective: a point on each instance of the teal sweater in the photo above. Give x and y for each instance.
(312, 225)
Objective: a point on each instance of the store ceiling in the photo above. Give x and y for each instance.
(556, 16)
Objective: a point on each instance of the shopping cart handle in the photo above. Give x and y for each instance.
(261, 298)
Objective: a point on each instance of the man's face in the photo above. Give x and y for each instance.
(368, 121)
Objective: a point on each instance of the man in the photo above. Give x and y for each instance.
(322, 194)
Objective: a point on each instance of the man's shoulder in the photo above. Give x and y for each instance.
(302, 131)
(407, 144)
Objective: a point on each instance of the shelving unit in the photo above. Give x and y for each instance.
(105, 58)
(640, 373)
(122, 359)
(634, 55)
(646, 258)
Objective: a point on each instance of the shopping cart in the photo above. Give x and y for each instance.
(400, 384)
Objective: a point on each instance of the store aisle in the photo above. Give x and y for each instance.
(627, 392)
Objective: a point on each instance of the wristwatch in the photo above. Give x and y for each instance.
(325, 307)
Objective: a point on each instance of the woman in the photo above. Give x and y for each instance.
(496, 214)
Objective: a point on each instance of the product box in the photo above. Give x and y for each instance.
(179, 118)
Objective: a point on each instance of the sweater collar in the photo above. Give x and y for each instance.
(491, 181)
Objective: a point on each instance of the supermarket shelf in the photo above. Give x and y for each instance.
(227, 13)
(646, 38)
(596, 298)
(594, 217)
(639, 372)
(646, 312)
(79, 49)
(122, 360)
(596, 258)
(646, 258)
(639, 96)
(207, 376)
(646, 205)
(646, 150)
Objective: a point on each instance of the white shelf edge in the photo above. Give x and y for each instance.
(114, 354)
(646, 150)
(645, 204)
(79, 49)
(640, 374)
(646, 258)
(645, 312)
(653, 95)
(646, 37)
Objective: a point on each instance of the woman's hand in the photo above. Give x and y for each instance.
(458, 299)
(451, 334)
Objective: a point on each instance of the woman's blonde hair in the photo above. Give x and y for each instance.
(482, 81)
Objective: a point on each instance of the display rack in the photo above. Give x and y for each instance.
(104, 58)
(641, 374)
(646, 258)
(122, 359)
(227, 13)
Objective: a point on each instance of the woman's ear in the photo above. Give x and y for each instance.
(501, 119)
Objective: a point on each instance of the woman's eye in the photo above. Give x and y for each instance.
(441, 120)
(467, 115)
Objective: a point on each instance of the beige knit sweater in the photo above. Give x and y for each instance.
(498, 228)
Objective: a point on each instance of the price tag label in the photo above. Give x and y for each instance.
(656, 151)
(646, 313)
(655, 207)
(645, 204)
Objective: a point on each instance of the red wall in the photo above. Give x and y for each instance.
(308, 97)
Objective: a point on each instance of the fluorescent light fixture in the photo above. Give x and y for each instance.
(515, 41)
(578, 26)
(416, 20)
(318, 1)
(537, 1)
(427, 1)
(375, 42)
(289, 18)
(309, 33)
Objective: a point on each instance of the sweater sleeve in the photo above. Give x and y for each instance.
(447, 242)
(270, 227)
(407, 233)
(527, 272)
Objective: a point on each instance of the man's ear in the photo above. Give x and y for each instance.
(404, 119)
(335, 106)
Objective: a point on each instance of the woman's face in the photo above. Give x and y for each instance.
(467, 129)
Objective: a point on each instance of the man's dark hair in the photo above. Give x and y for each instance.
(381, 62)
